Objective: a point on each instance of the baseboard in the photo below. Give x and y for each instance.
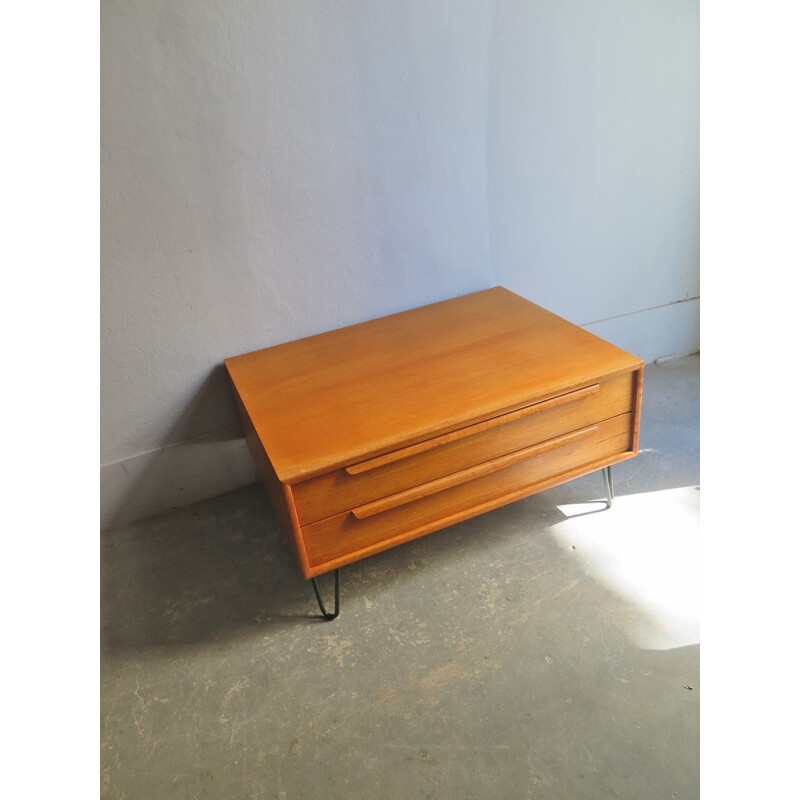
(174, 476)
(674, 357)
(655, 333)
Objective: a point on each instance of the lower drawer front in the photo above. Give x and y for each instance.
(345, 534)
(340, 490)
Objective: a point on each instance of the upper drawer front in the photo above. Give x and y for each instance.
(383, 524)
(353, 486)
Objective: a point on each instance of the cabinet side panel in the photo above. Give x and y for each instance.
(279, 497)
(638, 384)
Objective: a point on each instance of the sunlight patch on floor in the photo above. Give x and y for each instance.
(646, 548)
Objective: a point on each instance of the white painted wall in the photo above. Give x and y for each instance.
(593, 162)
(275, 169)
(270, 170)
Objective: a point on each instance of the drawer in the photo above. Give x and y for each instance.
(375, 526)
(357, 484)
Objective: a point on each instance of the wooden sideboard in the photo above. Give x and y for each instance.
(375, 434)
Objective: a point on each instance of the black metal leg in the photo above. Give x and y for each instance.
(609, 486)
(327, 614)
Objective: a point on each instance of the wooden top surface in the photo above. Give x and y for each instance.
(336, 398)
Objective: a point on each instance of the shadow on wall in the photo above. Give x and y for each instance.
(273, 173)
(192, 467)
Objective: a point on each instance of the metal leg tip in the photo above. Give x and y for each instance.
(325, 613)
(609, 486)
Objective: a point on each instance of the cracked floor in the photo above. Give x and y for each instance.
(548, 649)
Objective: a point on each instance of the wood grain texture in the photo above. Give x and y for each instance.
(378, 433)
(471, 430)
(470, 474)
(339, 491)
(344, 538)
(637, 408)
(334, 399)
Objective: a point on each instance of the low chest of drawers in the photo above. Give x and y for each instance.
(372, 435)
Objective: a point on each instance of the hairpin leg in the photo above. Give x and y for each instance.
(327, 614)
(609, 486)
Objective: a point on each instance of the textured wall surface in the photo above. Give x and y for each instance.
(271, 170)
(594, 155)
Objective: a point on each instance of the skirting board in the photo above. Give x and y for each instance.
(180, 474)
(672, 329)
(173, 476)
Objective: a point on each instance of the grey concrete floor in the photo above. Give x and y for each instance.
(548, 649)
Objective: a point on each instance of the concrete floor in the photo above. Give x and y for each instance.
(548, 649)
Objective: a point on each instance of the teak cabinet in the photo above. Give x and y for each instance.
(374, 434)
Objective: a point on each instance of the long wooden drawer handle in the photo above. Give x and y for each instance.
(478, 471)
(461, 433)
